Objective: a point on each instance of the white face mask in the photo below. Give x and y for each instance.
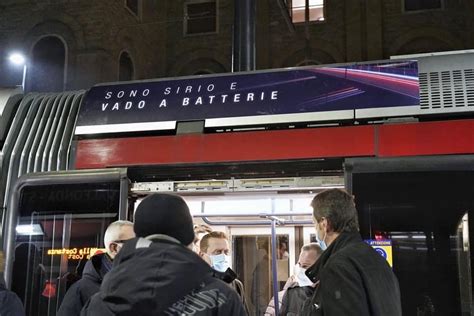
(300, 276)
(220, 262)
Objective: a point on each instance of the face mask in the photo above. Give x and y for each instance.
(220, 262)
(300, 276)
(321, 242)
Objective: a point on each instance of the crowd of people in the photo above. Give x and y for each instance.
(163, 264)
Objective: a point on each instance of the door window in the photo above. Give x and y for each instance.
(253, 263)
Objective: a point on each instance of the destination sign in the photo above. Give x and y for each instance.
(76, 253)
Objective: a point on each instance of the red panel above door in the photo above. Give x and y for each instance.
(426, 138)
(226, 147)
(409, 139)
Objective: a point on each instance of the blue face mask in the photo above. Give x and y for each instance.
(220, 262)
(321, 242)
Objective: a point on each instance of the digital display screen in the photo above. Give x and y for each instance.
(154, 105)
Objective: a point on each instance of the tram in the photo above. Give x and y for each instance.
(248, 152)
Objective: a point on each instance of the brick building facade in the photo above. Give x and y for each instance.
(110, 39)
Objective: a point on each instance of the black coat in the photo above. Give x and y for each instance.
(294, 299)
(165, 278)
(10, 303)
(353, 280)
(230, 277)
(81, 291)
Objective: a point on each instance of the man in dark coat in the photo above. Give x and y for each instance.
(352, 278)
(158, 273)
(95, 269)
(10, 303)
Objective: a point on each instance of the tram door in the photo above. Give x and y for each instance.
(425, 207)
(57, 228)
(252, 262)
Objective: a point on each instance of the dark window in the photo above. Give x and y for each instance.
(426, 215)
(308, 62)
(125, 67)
(46, 72)
(201, 17)
(202, 72)
(74, 198)
(417, 5)
(132, 5)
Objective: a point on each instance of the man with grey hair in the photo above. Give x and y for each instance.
(115, 235)
(96, 268)
(351, 278)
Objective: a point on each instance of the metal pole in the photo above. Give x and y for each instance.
(274, 268)
(243, 57)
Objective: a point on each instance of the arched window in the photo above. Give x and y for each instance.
(203, 72)
(46, 70)
(308, 62)
(126, 71)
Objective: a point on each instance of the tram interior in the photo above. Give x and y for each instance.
(428, 222)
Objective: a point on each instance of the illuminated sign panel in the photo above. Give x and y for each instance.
(286, 95)
(76, 253)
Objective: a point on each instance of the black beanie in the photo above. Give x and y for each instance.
(166, 214)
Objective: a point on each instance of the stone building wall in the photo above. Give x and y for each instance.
(425, 31)
(190, 54)
(97, 32)
(94, 32)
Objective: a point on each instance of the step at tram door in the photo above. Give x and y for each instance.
(57, 222)
(423, 206)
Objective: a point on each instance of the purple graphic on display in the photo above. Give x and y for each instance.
(293, 91)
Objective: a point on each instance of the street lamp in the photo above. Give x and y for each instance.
(18, 59)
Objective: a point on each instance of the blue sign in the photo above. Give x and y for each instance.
(280, 96)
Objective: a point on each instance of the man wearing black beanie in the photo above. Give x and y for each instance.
(158, 273)
(164, 214)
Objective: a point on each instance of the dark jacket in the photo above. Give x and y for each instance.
(230, 277)
(81, 291)
(164, 278)
(10, 303)
(294, 299)
(353, 280)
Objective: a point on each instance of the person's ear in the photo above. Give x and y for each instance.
(326, 225)
(113, 247)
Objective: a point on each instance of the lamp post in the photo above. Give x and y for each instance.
(18, 59)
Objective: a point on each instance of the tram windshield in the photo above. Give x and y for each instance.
(57, 232)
